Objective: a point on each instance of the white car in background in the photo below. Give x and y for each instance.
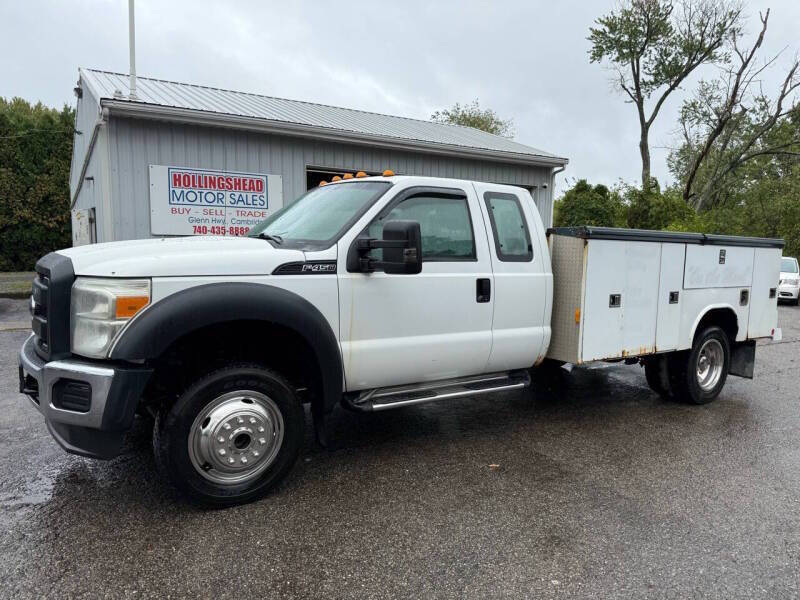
(789, 285)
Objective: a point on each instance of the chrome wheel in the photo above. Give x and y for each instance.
(236, 437)
(710, 363)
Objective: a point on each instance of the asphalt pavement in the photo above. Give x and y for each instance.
(593, 486)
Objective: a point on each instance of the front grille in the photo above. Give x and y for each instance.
(50, 306)
(39, 310)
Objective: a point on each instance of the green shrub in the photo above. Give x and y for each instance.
(35, 155)
(652, 209)
(584, 204)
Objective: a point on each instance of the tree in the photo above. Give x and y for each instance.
(759, 197)
(472, 115)
(584, 204)
(653, 48)
(729, 122)
(652, 209)
(35, 155)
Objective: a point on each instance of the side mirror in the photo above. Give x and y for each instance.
(402, 249)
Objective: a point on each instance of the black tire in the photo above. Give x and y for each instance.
(173, 431)
(684, 368)
(656, 373)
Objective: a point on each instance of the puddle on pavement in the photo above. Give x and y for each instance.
(37, 490)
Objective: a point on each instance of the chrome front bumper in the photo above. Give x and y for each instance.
(47, 374)
(114, 393)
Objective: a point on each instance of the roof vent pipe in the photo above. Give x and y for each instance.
(132, 45)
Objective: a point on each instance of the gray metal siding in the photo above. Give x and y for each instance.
(135, 144)
(94, 192)
(86, 113)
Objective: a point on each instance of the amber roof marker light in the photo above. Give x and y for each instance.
(388, 173)
(361, 174)
(347, 176)
(323, 182)
(336, 178)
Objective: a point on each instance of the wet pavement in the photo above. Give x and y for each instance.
(599, 488)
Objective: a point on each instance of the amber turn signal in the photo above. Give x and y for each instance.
(577, 315)
(127, 306)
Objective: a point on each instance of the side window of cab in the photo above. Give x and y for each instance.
(445, 225)
(512, 240)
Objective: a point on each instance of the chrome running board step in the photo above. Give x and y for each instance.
(420, 393)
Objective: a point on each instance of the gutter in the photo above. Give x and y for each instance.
(553, 181)
(87, 156)
(554, 173)
(168, 113)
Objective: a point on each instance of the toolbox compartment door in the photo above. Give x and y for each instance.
(763, 295)
(621, 294)
(670, 295)
(715, 266)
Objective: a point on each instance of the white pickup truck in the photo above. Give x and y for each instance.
(372, 293)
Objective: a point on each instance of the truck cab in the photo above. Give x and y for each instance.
(371, 293)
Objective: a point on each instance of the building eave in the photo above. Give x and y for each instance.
(126, 108)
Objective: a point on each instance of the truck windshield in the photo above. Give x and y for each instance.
(788, 265)
(319, 217)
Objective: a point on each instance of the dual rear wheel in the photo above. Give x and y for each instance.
(697, 375)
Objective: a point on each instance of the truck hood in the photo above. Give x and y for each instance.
(184, 256)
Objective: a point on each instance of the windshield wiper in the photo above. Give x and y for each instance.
(272, 238)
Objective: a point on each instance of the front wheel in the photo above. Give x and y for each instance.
(702, 376)
(231, 436)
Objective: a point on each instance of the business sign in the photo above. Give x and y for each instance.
(202, 202)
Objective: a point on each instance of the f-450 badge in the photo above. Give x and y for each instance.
(319, 268)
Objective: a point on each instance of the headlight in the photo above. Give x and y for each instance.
(99, 310)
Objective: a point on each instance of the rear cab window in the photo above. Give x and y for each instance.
(512, 240)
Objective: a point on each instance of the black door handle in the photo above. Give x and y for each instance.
(483, 290)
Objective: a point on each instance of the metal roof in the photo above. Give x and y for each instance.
(181, 100)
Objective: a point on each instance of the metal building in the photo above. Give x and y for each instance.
(130, 150)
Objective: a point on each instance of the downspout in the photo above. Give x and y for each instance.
(101, 120)
(553, 190)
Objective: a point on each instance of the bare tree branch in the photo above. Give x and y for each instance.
(726, 114)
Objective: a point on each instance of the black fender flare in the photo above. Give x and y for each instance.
(150, 334)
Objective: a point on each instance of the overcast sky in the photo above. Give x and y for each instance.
(527, 60)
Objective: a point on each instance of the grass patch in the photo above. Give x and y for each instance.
(16, 285)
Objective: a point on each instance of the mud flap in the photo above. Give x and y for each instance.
(320, 424)
(743, 359)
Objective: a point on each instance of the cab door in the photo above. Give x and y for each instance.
(522, 277)
(399, 329)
